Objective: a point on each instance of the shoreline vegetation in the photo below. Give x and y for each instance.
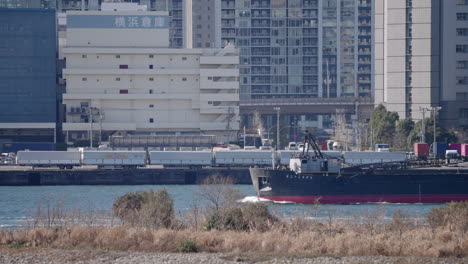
(145, 221)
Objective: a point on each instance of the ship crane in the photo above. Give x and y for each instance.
(309, 140)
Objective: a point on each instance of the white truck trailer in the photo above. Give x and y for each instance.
(61, 159)
(114, 159)
(365, 157)
(243, 157)
(181, 158)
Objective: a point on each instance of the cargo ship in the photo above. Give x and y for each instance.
(313, 177)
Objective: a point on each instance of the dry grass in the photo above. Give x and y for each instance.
(253, 230)
(311, 239)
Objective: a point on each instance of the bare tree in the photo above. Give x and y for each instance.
(258, 124)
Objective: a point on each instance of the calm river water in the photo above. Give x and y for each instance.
(17, 204)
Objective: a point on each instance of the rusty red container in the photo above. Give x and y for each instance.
(421, 149)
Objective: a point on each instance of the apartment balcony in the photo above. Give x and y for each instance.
(208, 84)
(219, 60)
(221, 109)
(219, 72)
(233, 97)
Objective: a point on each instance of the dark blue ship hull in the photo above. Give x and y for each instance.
(401, 186)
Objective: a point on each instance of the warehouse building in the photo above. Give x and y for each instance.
(122, 78)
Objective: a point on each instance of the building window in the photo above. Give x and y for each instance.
(462, 16)
(184, 79)
(210, 102)
(84, 79)
(464, 113)
(461, 80)
(462, 2)
(151, 56)
(184, 58)
(151, 120)
(151, 66)
(123, 66)
(117, 79)
(84, 56)
(151, 106)
(151, 79)
(462, 64)
(151, 91)
(462, 48)
(117, 56)
(462, 31)
(123, 91)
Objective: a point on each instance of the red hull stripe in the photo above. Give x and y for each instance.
(350, 199)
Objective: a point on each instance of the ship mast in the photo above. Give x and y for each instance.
(309, 140)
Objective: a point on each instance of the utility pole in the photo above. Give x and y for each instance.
(277, 109)
(423, 125)
(91, 127)
(434, 111)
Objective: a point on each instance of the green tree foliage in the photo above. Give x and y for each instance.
(403, 130)
(382, 125)
(442, 134)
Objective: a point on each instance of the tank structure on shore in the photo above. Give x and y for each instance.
(61, 159)
(114, 159)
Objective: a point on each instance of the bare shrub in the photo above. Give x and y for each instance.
(400, 222)
(145, 208)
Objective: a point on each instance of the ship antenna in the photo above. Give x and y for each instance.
(305, 144)
(313, 144)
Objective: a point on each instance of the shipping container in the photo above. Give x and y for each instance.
(421, 149)
(49, 158)
(439, 149)
(464, 151)
(243, 157)
(35, 146)
(455, 146)
(114, 159)
(322, 145)
(181, 158)
(365, 157)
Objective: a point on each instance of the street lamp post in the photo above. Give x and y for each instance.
(277, 109)
(434, 111)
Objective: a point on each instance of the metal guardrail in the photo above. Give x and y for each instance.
(306, 101)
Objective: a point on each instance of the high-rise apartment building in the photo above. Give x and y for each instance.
(421, 49)
(301, 48)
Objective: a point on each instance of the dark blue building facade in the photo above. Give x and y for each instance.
(28, 77)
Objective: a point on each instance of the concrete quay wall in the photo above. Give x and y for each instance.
(118, 177)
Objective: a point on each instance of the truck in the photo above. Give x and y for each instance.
(181, 158)
(114, 159)
(382, 148)
(243, 157)
(452, 156)
(464, 151)
(61, 159)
